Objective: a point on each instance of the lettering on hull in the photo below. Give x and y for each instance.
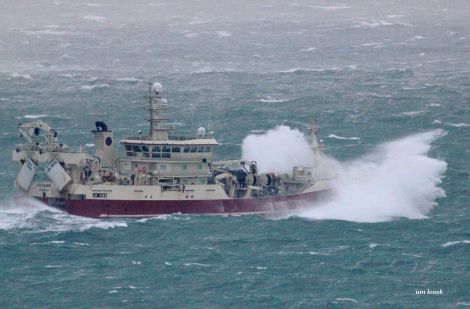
(100, 195)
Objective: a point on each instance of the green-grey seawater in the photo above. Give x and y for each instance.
(368, 72)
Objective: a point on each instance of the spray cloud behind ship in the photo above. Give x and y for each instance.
(395, 179)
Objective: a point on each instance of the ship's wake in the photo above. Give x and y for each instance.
(396, 179)
(31, 215)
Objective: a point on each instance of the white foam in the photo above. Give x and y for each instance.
(50, 32)
(332, 7)
(380, 23)
(23, 76)
(347, 299)
(413, 255)
(208, 69)
(157, 217)
(462, 303)
(34, 116)
(457, 125)
(197, 264)
(394, 16)
(15, 215)
(30, 214)
(223, 34)
(453, 243)
(53, 242)
(92, 87)
(300, 70)
(270, 99)
(373, 44)
(308, 49)
(343, 138)
(412, 113)
(397, 179)
(449, 124)
(128, 79)
(365, 24)
(95, 18)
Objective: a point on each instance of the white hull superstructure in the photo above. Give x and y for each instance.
(158, 174)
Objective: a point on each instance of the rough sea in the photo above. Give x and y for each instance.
(387, 81)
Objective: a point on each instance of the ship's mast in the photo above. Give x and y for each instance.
(315, 145)
(158, 131)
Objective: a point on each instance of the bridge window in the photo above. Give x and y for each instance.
(166, 149)
(176, 149)
(193, 149)
(156, 149)
(136, 148)
(129, 152)
(207, 149)
(186, 148)
(145, 151)
(200, 149)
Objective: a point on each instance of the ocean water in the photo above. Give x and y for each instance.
(388, 83)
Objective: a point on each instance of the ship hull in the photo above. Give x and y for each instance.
(278, 205)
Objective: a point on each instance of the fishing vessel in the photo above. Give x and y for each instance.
(157, 173)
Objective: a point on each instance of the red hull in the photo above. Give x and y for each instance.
(122, 208)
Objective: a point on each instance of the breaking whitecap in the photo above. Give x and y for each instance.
(31, 215)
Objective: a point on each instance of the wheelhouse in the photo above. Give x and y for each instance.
(155, 150)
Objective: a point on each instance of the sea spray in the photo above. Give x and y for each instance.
(396, 179)
(30, 214)
(278, 150)
(18, 213)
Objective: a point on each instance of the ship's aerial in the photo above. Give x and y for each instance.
(157, 174)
